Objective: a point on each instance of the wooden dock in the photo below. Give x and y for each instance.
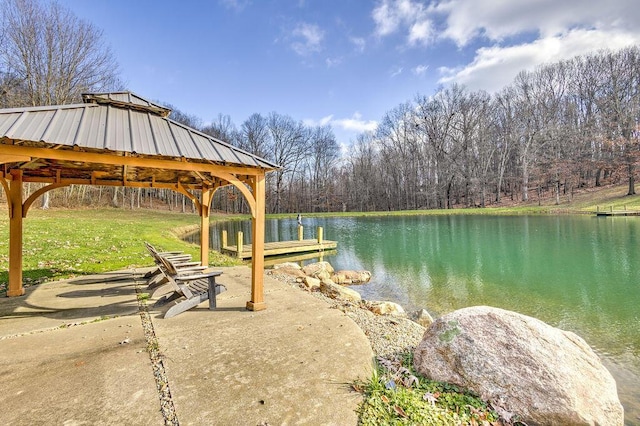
(278, 248)
(618, 213)
(612, 212)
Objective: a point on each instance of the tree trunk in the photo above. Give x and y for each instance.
(632, 180)
(525, 181)
(114, 200)
(45, 201)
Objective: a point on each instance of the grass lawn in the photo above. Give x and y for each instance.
(60, 243)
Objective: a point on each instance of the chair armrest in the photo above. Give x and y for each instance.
(197, 276)
(190, 270)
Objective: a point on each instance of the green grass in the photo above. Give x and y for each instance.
(396, 395)
(581, 202)
(65, 243)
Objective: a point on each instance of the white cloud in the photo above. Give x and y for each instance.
(356, 123)
(333, 62)
(496, 67)
(517, 35)
(500, 19)
(237, 5)
(420, 70)
(308, 39)
(353, 124)
(359, 43)
(391, 16)
(396, 72)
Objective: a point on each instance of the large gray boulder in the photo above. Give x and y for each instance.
(545, 375)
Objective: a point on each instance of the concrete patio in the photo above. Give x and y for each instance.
(75, 352)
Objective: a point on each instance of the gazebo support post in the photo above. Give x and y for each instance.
(205, 205)
(257, 249)
(15, 235)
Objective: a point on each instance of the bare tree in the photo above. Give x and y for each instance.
(223, 128)
(52, 56)
(254, 135)
(182, 117)
(290, 144)
(323, 156)
(49, 57)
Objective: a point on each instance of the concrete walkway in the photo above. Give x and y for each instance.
(74, 352)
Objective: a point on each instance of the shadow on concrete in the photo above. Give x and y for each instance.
(82, 299)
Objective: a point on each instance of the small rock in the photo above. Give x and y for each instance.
(336, 291)
(320, 270)
(351, 277)
(423, 318)
(290, 265)
(291, 271)
(385, 308)
(311, 283)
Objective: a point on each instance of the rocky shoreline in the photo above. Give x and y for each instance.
(516, 363)
(388, 335)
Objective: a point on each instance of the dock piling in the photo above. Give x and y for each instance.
(223, 243)
(240, 243)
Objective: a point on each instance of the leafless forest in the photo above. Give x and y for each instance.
(556, 129)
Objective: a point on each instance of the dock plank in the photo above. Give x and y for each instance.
(617, 213)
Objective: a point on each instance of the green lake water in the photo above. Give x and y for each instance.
(578, 273)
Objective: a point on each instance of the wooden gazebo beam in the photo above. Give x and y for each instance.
(14, 198)
(232, 175)
(73, 155)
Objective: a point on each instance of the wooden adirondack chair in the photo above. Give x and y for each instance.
(189, 288)
(158, 283)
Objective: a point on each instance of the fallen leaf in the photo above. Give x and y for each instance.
(400, 411)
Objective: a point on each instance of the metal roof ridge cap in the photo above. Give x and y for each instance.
(44, 108)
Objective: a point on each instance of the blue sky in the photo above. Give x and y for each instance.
(340, 62)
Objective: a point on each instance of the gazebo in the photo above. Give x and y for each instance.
(121, 139)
